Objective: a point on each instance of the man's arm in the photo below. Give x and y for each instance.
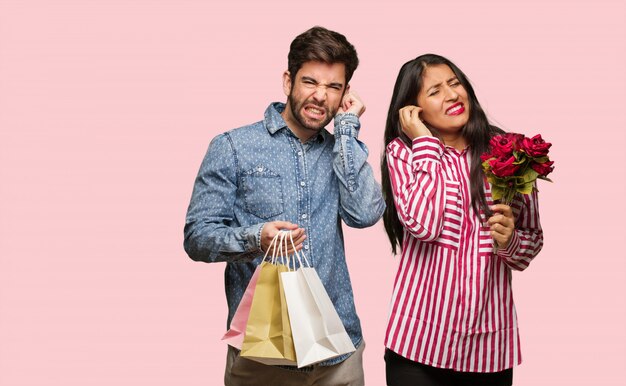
(211, 234)
(361, 200)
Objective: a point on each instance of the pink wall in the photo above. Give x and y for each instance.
(107, 108)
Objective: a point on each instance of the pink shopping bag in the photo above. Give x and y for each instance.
(234, 336)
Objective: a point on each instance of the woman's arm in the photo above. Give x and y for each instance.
(418, 185)
(527, 238)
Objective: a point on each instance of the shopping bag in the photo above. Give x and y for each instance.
(318, 332)
(268, 332)
(234, 335)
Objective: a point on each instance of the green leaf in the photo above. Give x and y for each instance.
(530, 175)
(497, 181)
(520, 158)
(526, 188)
(497, 192)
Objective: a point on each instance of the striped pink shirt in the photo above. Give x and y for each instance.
(452, 305)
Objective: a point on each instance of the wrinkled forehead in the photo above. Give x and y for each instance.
(323, 72)
(435, 74)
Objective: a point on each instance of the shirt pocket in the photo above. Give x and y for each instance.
(262, 192)
(452, 215)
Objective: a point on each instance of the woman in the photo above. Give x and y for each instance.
(452, 319)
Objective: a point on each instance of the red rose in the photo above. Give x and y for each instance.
(485, 156)
(544, 168)
(535, 146)
(503, 167)
(504, 144)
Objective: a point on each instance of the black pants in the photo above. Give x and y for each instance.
(404, 372)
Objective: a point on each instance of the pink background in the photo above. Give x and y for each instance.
(107, 108)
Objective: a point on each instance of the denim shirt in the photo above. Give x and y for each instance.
(262, 172)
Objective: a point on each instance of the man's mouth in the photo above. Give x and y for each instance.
(314, 112)
(455, 109)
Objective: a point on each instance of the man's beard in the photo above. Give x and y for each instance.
(296, 109)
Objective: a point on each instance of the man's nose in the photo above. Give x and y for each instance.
(320, 94)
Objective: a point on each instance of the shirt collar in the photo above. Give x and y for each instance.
(454, 150)
(274, 122)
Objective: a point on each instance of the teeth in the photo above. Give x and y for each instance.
(314, 110)
(454, 109)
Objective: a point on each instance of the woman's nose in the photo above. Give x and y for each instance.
(451, 94)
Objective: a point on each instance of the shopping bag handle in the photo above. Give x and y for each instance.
(282, 253)
(297, 254)
(279, 255)
(269, 248)
(283, 243)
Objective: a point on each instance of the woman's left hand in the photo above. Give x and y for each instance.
(502, 224)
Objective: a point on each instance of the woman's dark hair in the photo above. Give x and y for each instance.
(321, 45)
(477, 132)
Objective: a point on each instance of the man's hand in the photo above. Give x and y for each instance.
(502, 224)
(351, 103)
(271, 229)
(411, 123)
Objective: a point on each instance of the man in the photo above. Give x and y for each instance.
(287, 172)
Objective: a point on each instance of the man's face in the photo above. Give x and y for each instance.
(313, 97)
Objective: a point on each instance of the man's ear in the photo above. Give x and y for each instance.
(287, 83)
(348, 88)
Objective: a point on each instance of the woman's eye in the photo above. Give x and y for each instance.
(434, 93)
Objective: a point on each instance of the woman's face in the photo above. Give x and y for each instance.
(443, 99)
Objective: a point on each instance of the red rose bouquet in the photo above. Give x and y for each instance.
(513, 164)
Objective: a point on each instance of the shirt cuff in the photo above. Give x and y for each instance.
(509, 251)
(252, 237)
(347, 124)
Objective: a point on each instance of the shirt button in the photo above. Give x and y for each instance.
(302, 183)
(343, 122)
(304, 215)
(306, 246)
(300, 153)
(259, 169)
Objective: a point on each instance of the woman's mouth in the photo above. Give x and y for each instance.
(455, 109)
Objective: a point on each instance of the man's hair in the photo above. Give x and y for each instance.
(321, 45)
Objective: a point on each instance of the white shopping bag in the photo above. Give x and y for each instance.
(318, 333)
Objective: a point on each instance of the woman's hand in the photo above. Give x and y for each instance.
(502, 225)
(411, 123)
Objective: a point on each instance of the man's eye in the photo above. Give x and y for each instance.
(455, 84)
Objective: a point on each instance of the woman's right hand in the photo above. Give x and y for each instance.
(411, 123)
